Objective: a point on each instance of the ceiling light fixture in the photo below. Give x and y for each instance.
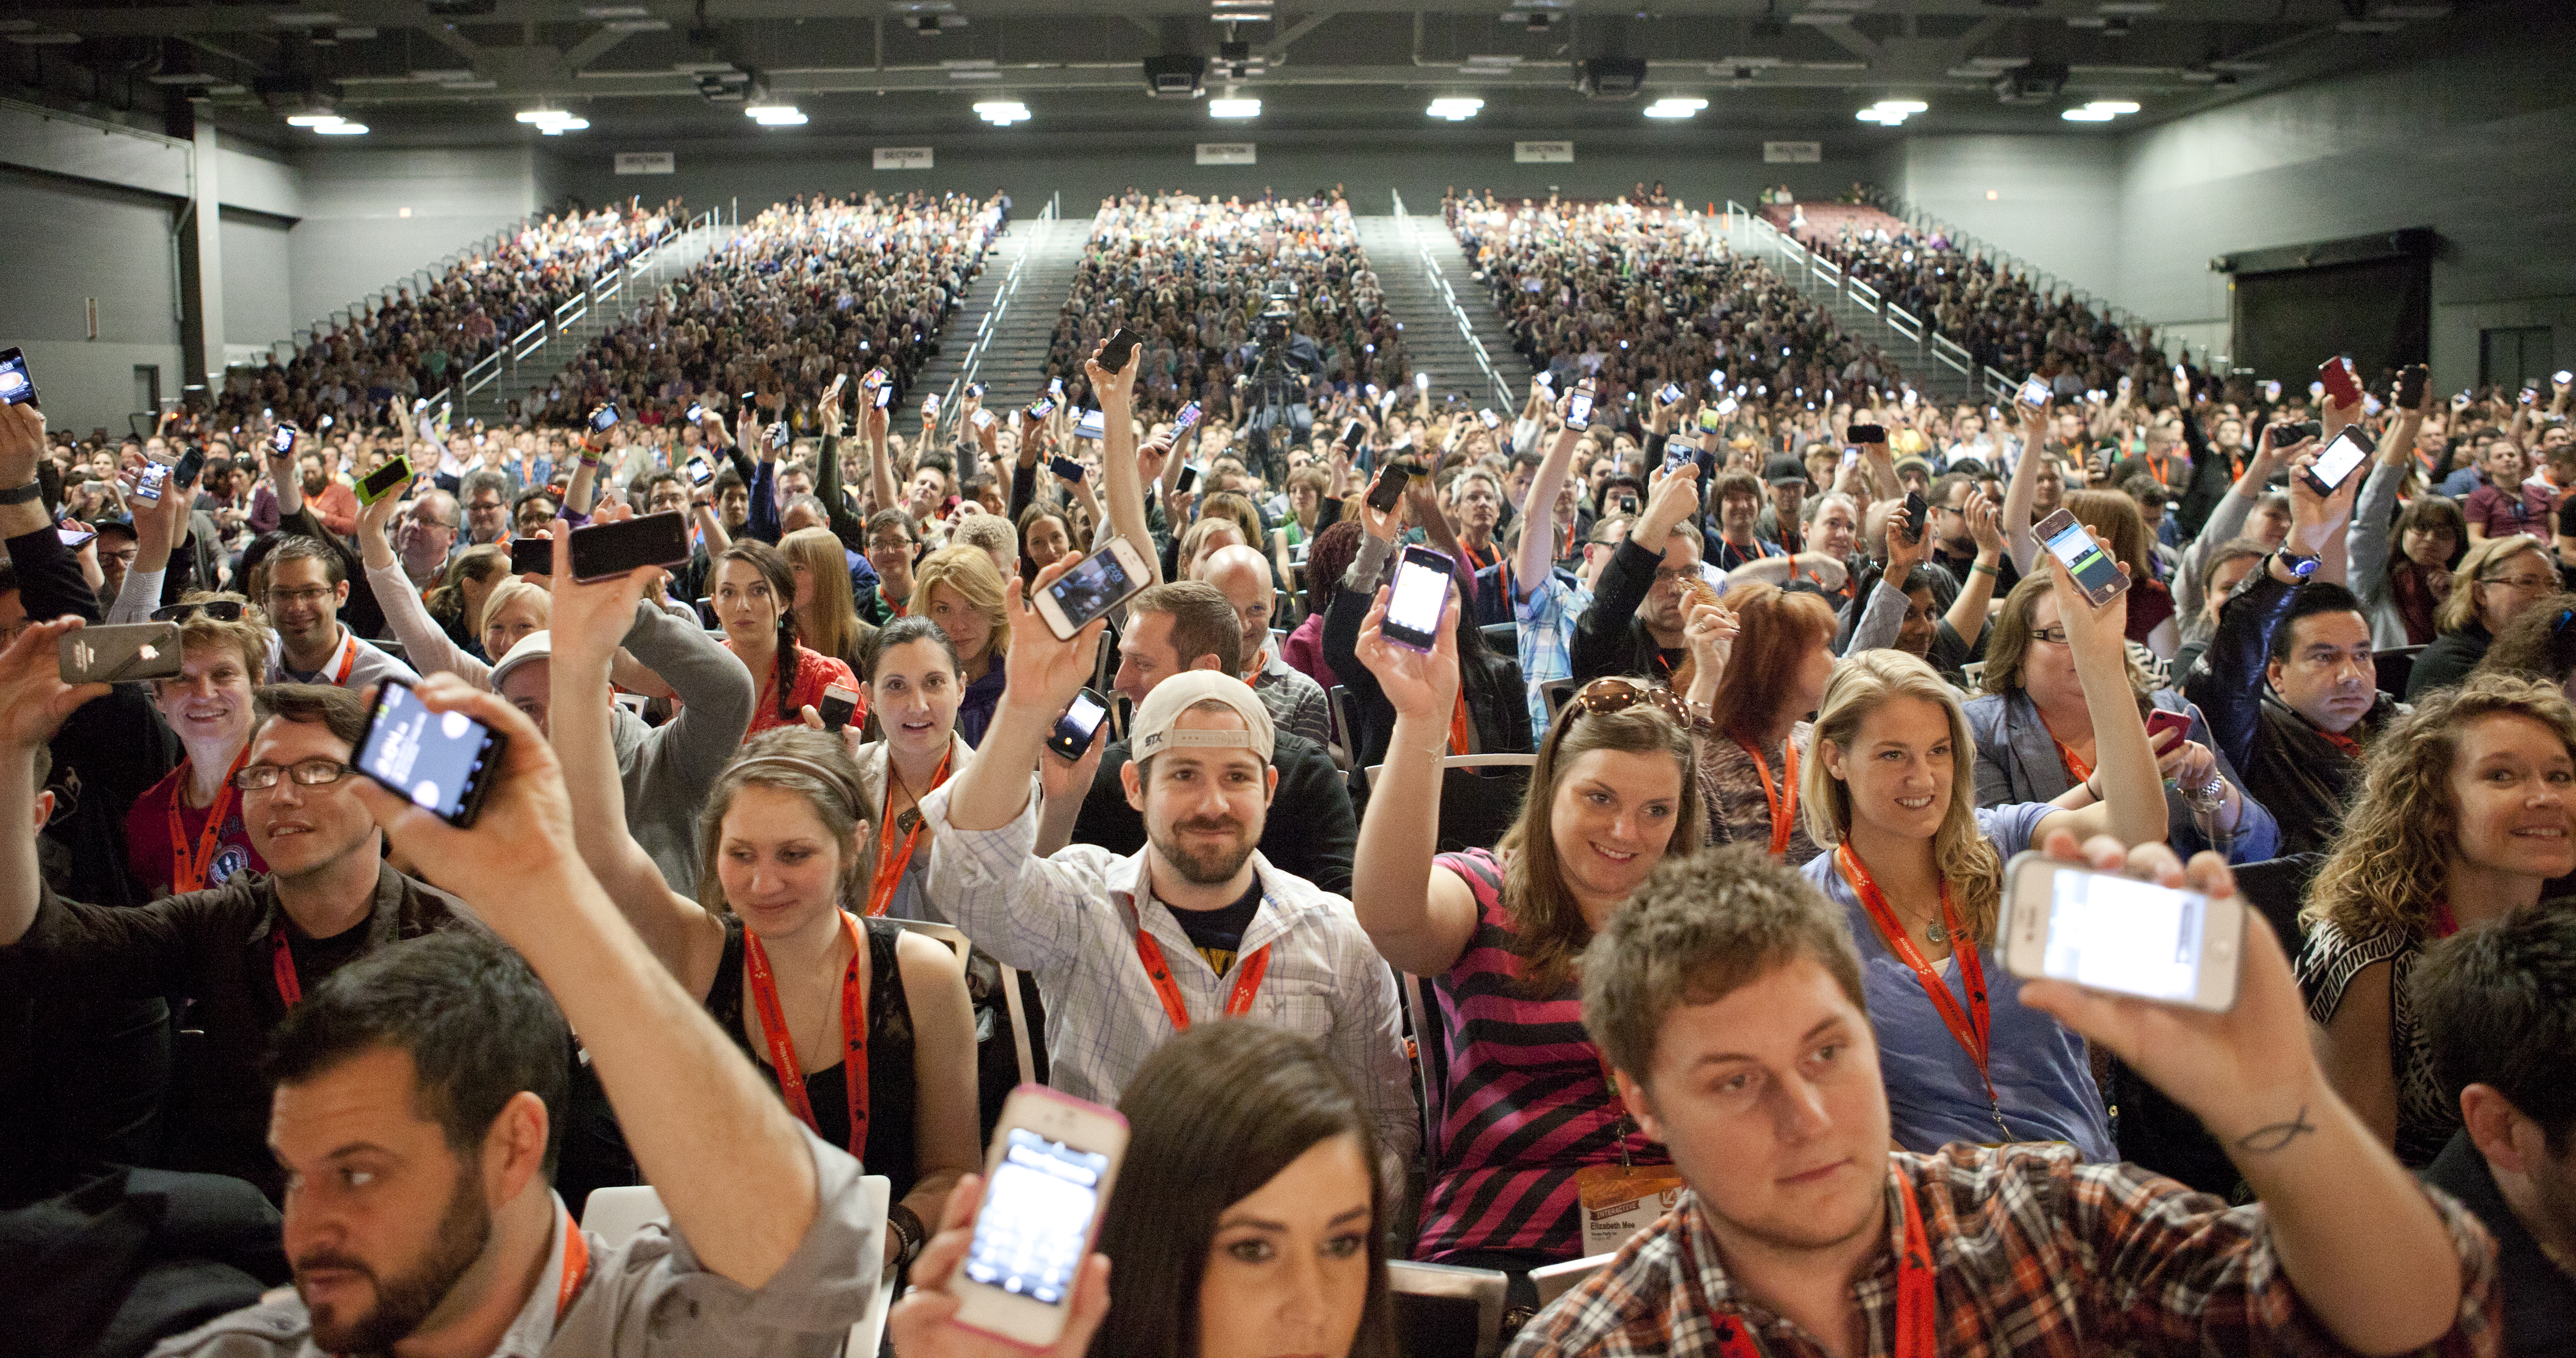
(557, 129)
(1456, 110)
(1892, 112)
(341, 129)
(1675, 106)
(1234, 108)
(1002, 112)
(312, 119)
(775, 115)
(2099, 111)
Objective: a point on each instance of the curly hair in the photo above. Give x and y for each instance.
(2390, 866)
(2540, 642)
(1863, 683)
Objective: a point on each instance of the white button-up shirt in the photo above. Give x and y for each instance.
(1071, 920)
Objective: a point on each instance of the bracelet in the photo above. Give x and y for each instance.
(910, 1235)
(19, 495)
(1980, 566)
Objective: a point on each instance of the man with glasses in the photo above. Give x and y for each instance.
(306, 585)
(424, 537)
(1634, 626)
(244, 951)
(2289, 685)
(487, 508)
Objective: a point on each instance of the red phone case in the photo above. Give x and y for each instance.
(2342, 387)
(2160, 722)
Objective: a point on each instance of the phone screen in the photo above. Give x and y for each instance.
(1089, 425)
(16, 387)
(1490, 419)
(696, 412)
(2113, 933)
(284, 439)
(1041, 408)
(437, 759)
(148, 483)
(1036, 1218)
(384, 480)
(2035, 393)
(1093, 587)
(1187, 481)
(1671, 393)
(1421, 591)
(74, 538)
(885, 397)
(2340, 459)
(1353, 432)
(699, 472)
(1186, 420)
(1067, 468)
(1578, 411)
(2092, 567)
(603, 418)
(1073, 730)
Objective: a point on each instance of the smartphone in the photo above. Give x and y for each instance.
(148, 481)
(603, 419)
(2035, 393)
(930, 404)
(1709, 419)
(2160, 721)
(73, 538)
(1490, 419)
(1851, 455)
(1188, 480)
(1097, 584)
(1918, 516)
(114, 655)
(1041, 408)
(385, 480)
(2107, 932)
(1055, 387)
(2290, 432)
(603, 550)
(1074, 730)
(283, 441)
(1671, 394)
(699, 472)
(1089, 425)
(1578, 409)
(1389, 490)
(778, 436)
(695, 413)
(2072, 543)
(1422, 381)
(983, 419)
(1046, 1181)
(532, 556)
(1726, 407)
(2338, 460)
(1679, 453)
(17, 386)
(1114, 352)
(1418, 598)
(840, 703)
(2341, 386)
(1185, 421)
(2562, 377)
(974, 389)
(442, 761)
(2411, 381)
(1067, 468)
(885, 397)
(1867, 433)
(1353, 432)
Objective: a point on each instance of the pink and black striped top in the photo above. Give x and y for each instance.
(1523, 1103)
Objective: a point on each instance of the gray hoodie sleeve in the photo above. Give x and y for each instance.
(668, 772)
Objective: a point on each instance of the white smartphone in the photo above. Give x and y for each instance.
(1046, 1179)
(1578, 411)
(2072, 543)
(1089, 425)
(2035, 393)
(1099, 583)
(2103, 931)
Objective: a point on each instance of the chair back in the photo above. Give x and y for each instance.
(2395, 667)
(1503, 639)
(616, 1214)
(1446, 1312)
(1555, 1280)
(1480, 797)
(948, 935)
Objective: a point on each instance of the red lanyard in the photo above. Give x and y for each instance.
(1238, 1002)
(576, 1266)
(1917, 1331)
(891, 861)
(1784, 802)
(283, 962)
(1969, 1026)
(2076, 768)
(2445, 923)
(782, 1045)
(188, 868)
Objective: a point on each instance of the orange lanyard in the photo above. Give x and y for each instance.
(1784, 801)
(1917, 1333)
(891, 861)
(2076, 768)
(782, 1045)
(1968, 1026)
(282, 962)
(576, 1266)
(1238, 1002)
(348, 658)
(188, 868)
(1462, 728)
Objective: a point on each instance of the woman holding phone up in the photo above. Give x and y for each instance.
(1919, 868)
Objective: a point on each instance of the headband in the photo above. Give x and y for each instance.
(830, 778)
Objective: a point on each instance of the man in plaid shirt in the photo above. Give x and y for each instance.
(1727, 996)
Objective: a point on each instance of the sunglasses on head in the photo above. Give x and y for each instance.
(221, 610)
(1618, 695)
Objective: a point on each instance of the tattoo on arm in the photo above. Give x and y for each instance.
(2276, 1136)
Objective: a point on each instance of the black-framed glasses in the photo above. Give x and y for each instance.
(306, 773)
(1613, 694)
(221, 610)
(2053, 635)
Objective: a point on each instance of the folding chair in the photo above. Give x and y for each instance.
(1446, 1312)
(1555, 1280)
(949, 934)
(1503, 639)
(1480, 797)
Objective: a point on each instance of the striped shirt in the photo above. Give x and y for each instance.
(2035, 1254)
(1524, 1103)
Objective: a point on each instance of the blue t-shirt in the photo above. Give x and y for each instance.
(1933, 1094)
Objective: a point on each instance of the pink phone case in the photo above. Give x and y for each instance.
(1090, 1239)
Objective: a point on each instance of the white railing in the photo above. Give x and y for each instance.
(1503, 396)
(565, 322)
(990, 327)
(1828, 282)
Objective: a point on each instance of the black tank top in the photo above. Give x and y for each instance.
(892, 1097)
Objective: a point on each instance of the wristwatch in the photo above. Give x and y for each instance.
(2300, 566)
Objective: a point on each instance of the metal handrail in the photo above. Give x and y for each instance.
(1449, 297)
(986, 330)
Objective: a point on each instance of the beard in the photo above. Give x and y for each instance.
(405, 1300)
(1215, 865)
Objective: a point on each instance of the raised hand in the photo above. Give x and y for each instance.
(2087, 627)
(1907, 546)
(1416, 684)
(588, 621)
(34, 700)
(1711, 634)
(1985, 522)
(1059, 778)
(1047, 669)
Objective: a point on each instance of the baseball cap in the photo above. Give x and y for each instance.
(1784, 471)
(534, 646)
(120, 525)
(1152, 733)
(1916, 460)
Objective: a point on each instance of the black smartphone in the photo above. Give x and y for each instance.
(1072, 471)
(532, 556)
(699, 472)
(1353, 432)
(17, 386)
(1041, 408)
(603, 550)
(283, 441)
(115, 655)
(2290, 432)
(840, 703)
(1417, 598)
(2411, 381)
(1187, 481)
(191, 463)
(603, 419)
(1389, 490)
(2338, 460)
(385, 480)
(1917, 511)
(442, 761)
(1868, 433)
(1080, 722)
(1115, 352)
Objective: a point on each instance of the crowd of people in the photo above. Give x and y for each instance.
(1702, 986)
(415, 345)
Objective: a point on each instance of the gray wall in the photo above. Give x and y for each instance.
(257, 277)
(75, 241)
(370, 217)
(2056, 199)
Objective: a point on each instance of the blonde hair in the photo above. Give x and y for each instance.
(2461, 607)
(829, 624)
(1194, 540)
(247, 636)
(969, 571)
(2390, 865)
(1863, 683)
(508, 592)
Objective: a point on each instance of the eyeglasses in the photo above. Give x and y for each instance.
(221, 610)
(1618, 695)
(2520, 581)
(308, 773)
(2054, 636)
(312, 594)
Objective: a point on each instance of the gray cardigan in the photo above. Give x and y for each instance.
(668, 770)
(911, 895)
(2017, 762)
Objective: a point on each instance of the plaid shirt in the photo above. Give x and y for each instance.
(2037, 1254)
(1547, 617)
(1071, 920)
